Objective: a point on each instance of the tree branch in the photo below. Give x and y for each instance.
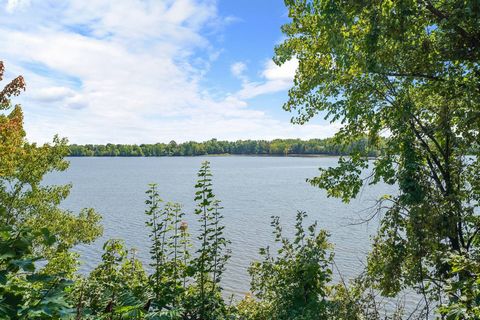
(471, 40)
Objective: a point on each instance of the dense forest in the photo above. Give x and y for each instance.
(407, 68)
(215, 147)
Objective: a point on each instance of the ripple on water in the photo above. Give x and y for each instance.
(252, 189)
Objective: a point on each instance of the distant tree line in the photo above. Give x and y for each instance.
(215, 147)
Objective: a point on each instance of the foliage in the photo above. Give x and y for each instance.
(216, 147)
(25, 292)
(464, 302)
(26, 201)
(358, 300)
(169, 251)
(209, 264)
(407, 69)
(293, 283)
(115, 289)
(33, 226)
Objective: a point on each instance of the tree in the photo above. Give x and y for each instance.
(191, 148)
(26, 201)
(408, 69)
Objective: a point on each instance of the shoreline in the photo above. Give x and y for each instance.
(222, 155)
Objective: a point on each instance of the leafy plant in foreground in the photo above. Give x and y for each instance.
(212, 254)
(169, 251)
(293, 283)
(115, 289)
(25, 292)
(464, 300)
(189, 285)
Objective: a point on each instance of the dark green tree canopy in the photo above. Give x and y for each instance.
(407, 70)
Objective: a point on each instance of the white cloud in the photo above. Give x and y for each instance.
(12, 5)
(276, 78)
(129, 72)
(76, 102)
(238, 69)
(285, 72)
(52, 94)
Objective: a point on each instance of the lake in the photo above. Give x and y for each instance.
(251, 189)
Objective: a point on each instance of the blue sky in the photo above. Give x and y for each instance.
(133, 71)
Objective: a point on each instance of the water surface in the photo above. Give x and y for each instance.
(252, 189)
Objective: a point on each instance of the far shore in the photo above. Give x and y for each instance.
(225, 155)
